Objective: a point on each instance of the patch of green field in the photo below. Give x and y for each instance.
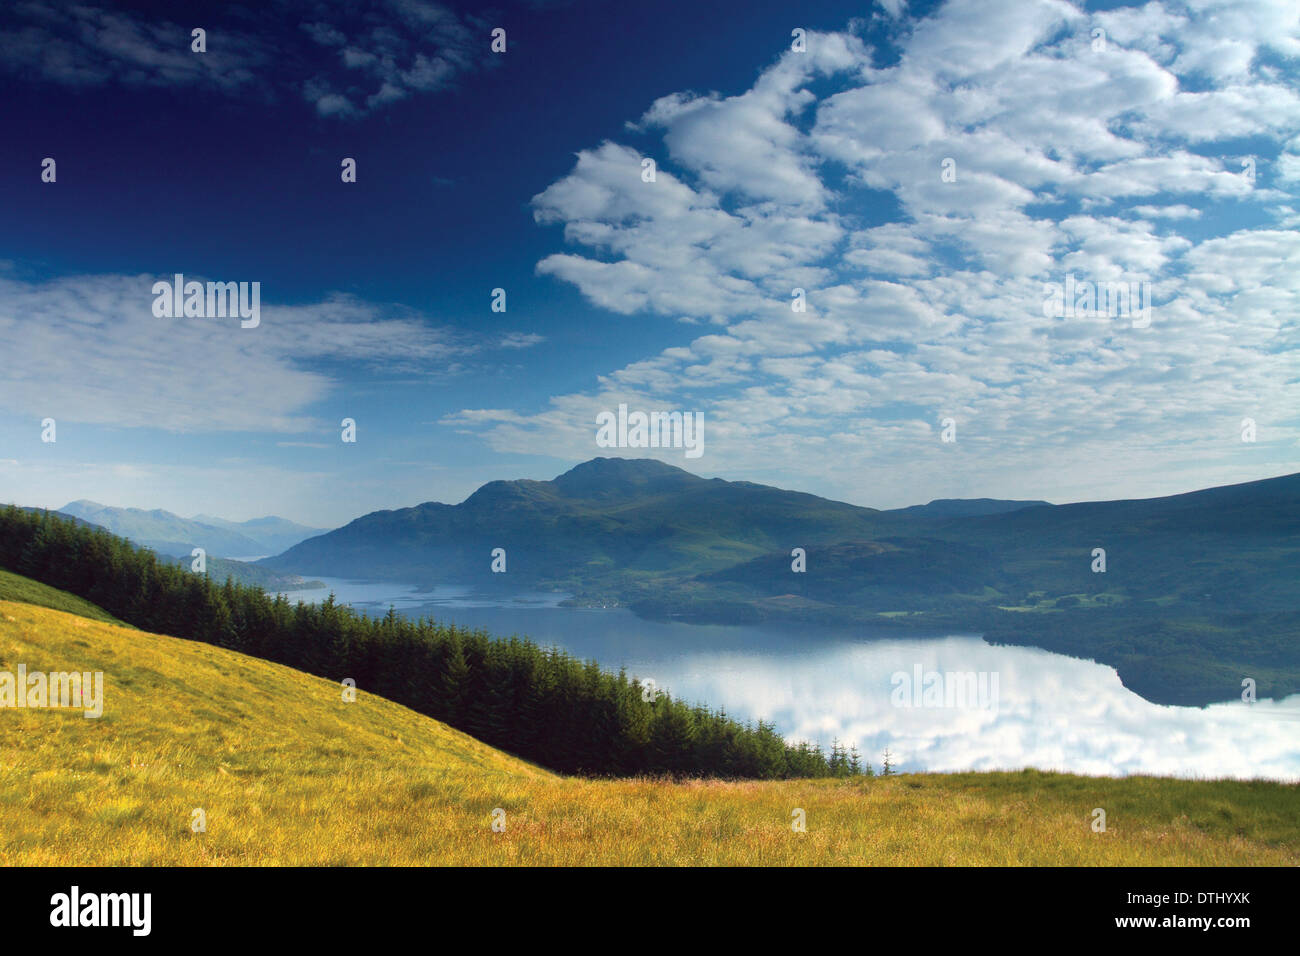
(15, 587)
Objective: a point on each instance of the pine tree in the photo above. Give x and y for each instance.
(455, 678)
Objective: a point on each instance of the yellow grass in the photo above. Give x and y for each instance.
(288, 773)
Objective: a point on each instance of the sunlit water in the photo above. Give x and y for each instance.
(1038, 709)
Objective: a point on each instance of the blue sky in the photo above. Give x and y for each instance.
(1115, 144)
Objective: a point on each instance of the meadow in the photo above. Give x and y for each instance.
(286, 771)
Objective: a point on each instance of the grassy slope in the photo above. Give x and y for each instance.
(15, 587)
(289, 774)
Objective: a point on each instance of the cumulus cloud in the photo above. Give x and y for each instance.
(926, 208)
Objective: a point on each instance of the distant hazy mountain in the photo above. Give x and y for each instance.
(1198, 590)
(171, 534)
(272, 533)
(966, 507)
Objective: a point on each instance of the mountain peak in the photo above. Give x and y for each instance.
(614, 477)
(969, 507)
(623, 467)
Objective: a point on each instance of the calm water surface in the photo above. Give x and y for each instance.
(1037, 709)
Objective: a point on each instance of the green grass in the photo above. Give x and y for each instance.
(14, 587)
(288, 773)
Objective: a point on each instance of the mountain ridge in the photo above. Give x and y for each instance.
(966, 507)
(175, 536)
(1192, 592)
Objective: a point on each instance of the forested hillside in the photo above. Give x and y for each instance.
(540, 704)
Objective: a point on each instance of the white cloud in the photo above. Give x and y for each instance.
(94, 352)
(1167, 212)
(929, 304)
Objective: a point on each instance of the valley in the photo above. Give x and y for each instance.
(1197, 591)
